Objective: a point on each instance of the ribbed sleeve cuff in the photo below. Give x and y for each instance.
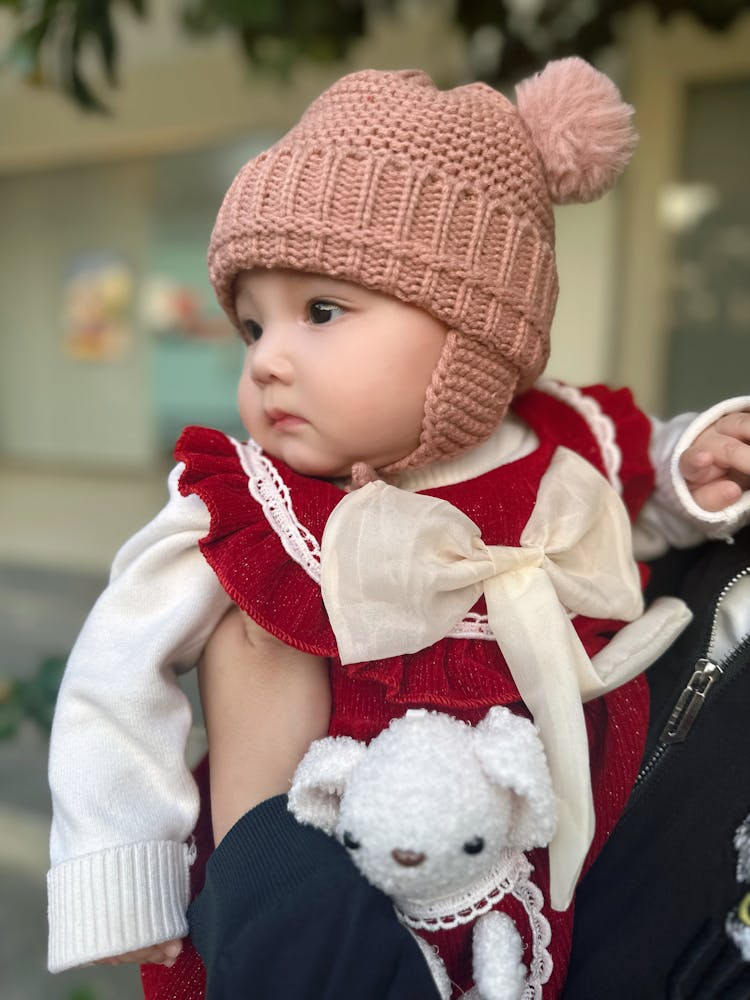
(115, 901)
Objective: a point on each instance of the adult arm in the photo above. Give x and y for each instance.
(285, 913)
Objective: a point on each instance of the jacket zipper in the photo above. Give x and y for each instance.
(706, 673)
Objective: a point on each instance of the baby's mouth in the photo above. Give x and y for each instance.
(282, 418)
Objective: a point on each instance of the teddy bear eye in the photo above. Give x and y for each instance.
(474, 846)
(350, 842)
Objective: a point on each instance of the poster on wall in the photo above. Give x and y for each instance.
(97, 304)
(170, 308)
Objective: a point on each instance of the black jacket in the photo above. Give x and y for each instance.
(285, 914)
(652, 914)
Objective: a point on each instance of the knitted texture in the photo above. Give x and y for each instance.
(439, 198)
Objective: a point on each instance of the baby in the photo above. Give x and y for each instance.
(399, 511)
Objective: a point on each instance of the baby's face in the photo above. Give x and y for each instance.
(334, 373)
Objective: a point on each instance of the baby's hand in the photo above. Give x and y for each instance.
(157, 954)
(716, 466)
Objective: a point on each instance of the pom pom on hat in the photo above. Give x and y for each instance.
(581, 127)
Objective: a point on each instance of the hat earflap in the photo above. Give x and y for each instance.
(581, 127)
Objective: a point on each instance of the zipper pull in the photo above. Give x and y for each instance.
(690, 702)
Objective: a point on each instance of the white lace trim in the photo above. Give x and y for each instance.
(510, 877)
(474, 626)
(601, 426)
(269, 490)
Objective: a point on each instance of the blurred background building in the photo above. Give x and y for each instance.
(110, 341)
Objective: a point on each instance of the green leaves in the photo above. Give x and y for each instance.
(56, 37)
(82, 993)
(274, 33)
(33, 699)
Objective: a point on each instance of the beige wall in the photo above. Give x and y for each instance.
(52, 408)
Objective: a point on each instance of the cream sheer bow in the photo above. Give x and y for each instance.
(400, 570)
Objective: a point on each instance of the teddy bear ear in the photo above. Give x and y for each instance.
(581, 127)
(321, 778)
(511, 754)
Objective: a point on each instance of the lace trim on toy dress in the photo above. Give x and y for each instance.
(601, 425)
(511, 876)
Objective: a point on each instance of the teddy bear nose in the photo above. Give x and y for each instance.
(407, 858)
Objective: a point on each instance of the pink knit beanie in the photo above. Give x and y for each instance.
(442, 199)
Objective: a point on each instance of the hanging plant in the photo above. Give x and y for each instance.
(33, 699)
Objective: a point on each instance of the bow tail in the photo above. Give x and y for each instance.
(546, 658)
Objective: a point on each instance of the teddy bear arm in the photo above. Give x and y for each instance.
(499, 972)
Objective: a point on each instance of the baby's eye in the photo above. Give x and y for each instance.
(251, 331)
(323, 312)
(350, 842)
(475, 846)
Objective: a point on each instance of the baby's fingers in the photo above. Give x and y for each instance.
(697, 465)
(157, 954)
(732, 446)
(722, 448)
(734, 425)
(717, 495)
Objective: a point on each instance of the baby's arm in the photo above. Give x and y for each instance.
(263, 703)
(716, 466)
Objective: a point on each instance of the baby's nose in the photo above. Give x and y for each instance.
(271, 357)
(409, 859)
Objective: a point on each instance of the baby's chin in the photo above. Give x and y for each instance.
(306, 462)
(313, 466)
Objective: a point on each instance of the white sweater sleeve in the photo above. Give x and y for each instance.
(124, 802)
(671, 517)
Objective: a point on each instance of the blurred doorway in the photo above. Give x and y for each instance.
(708, 354)
(684, 317)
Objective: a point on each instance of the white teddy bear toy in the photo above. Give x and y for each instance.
(437, 814)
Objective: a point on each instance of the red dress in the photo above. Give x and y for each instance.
(461, 676)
